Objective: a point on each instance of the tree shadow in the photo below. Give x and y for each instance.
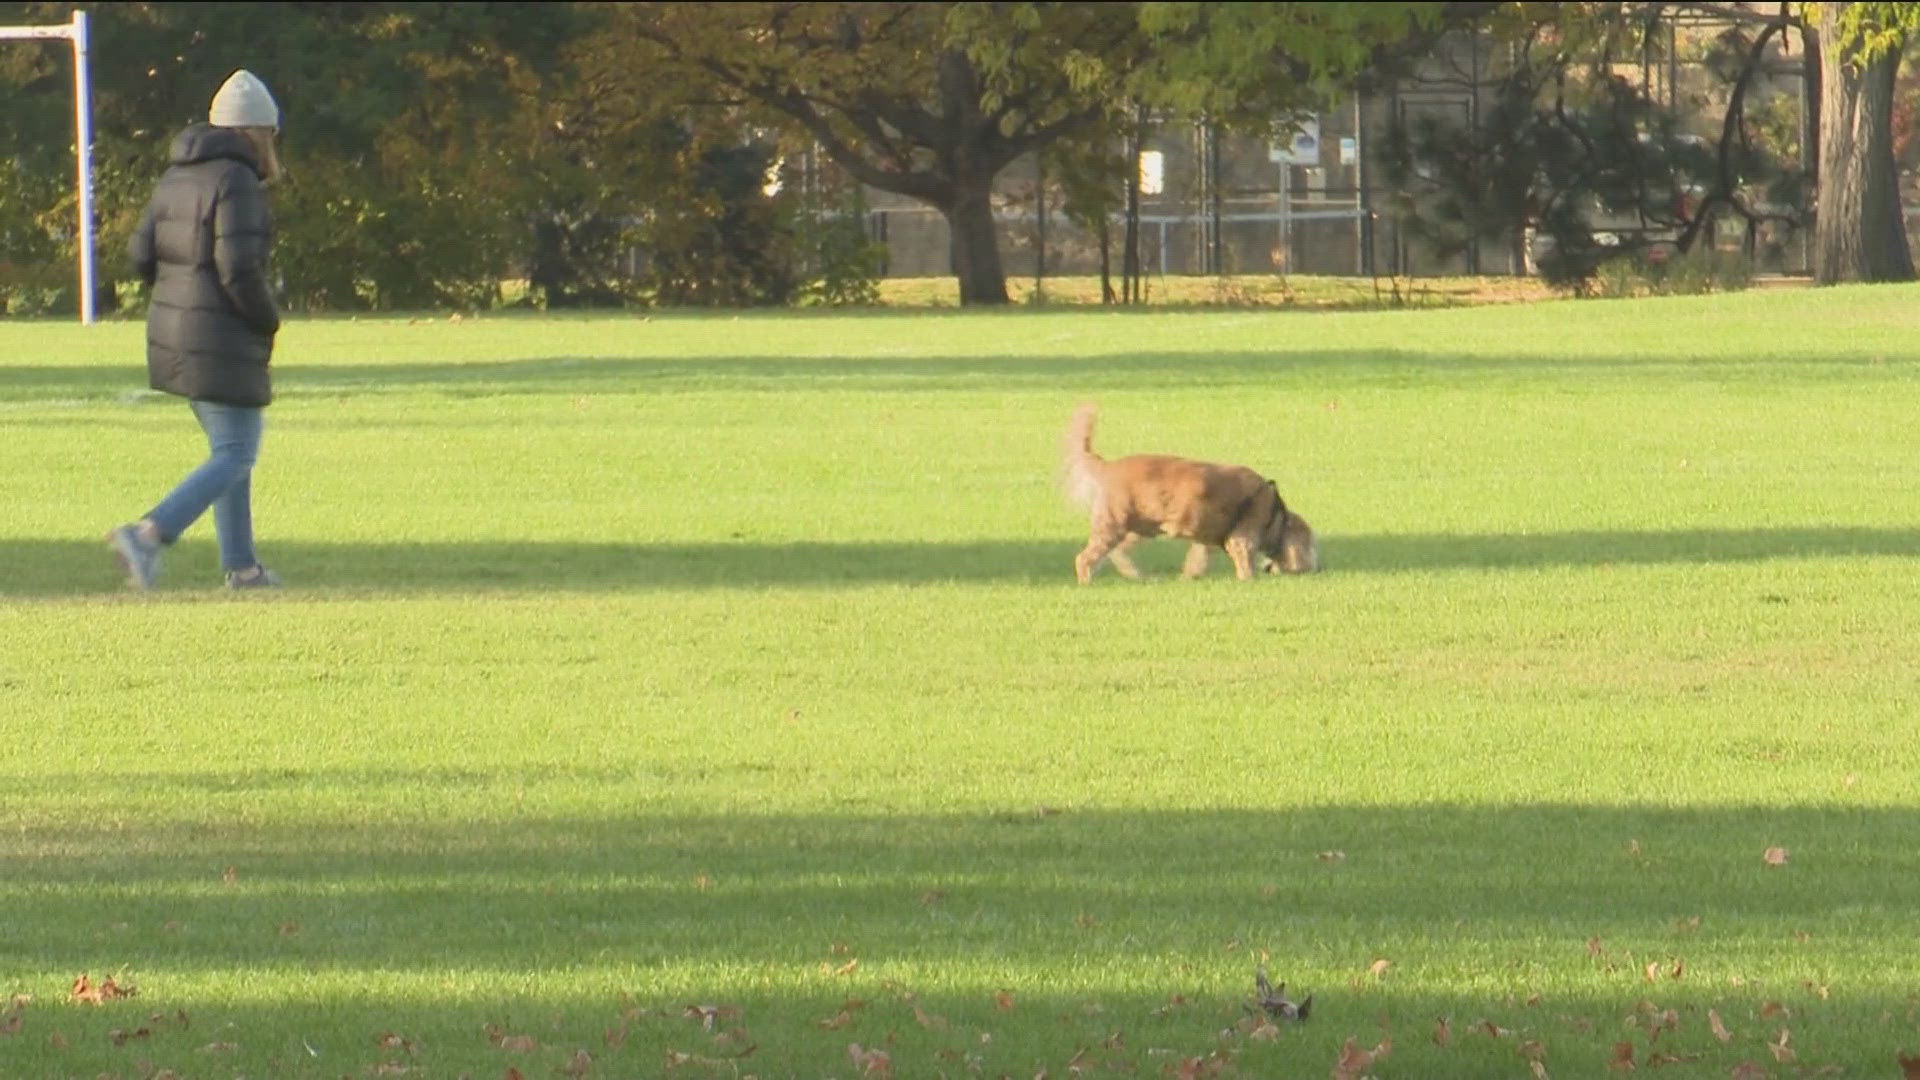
(799, 375)
(50, 568)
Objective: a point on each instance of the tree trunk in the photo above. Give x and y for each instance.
(976, 245)
(1859, 230)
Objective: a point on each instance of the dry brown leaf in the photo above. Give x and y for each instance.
(1622, 1060)
(1909, 1067)
(11, 1025)
(1264, 1031)
(1442, 1033)
(1653, 971)
(1378, 969)
(1773, 1008)
(1774, 856)
(85, 990)
(1491, 1029)
(615, 1037)
(1533, 1050)
(1782, 1053)
(877, 1063)
(928, 1020)
(1003, 1001)
(121, 1037)
(1354, 1062)
(513, 1074)
(580, 1064)
(1539, 1069)
(1821, 992)
(1748, 1070)
(847, 968)
(1593, 946)
(1719, 1029)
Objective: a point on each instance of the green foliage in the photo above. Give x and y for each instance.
(1659, 272)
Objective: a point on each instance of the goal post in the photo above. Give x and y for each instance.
(76, 32)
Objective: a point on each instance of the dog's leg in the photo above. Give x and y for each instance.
(1240, 550)
(1122, 561)
(1196, 563)
(1101, 542)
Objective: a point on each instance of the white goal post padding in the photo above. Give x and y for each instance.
(76, 32)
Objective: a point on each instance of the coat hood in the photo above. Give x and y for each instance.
(205, 142)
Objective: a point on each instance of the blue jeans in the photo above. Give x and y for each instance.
(224, 482)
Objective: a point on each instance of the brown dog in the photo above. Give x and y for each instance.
(1224, 506)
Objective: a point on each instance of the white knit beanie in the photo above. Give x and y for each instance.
(243, 101)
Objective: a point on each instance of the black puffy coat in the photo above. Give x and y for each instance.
(203, 245)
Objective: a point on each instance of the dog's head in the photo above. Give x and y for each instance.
(1288, 541)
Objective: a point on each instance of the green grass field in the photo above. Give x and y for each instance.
(710, 695)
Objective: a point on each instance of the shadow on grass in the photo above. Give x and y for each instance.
(837, 374)
(1102, 922)
(69, 567)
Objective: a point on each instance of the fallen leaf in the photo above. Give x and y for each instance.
(1491, 1029)
(1354, 1062)
(580, 1064)
(87, 991)
(1331, 856)
(1719, 1029)
(1593, 947)
(615, 1037)
(1003, 1001)
(847, 968)
(1774, 856)
(870, 1062)
(1653, 971)
(1622, 1060)
(708, 1015)
(1782, 1053)
(1533, 1050)
(1378, 969)
(1442, 1033)
(120, 1037)
(1909, 1067)
(1748, 1070)
(1821, 992)
(1774, 1008)
(929, 1021)
(1539, 1069)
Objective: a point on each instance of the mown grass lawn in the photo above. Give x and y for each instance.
(710, 695)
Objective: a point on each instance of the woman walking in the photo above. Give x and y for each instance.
(202, 246)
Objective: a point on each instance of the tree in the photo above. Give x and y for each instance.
(1587, 159)
(934, 100)
(1860, 229)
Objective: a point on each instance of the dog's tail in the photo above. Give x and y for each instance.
(1079, 465)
